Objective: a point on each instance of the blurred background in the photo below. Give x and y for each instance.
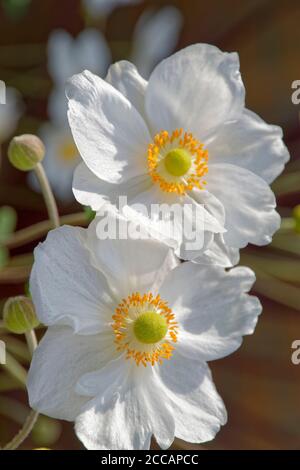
(42, 43)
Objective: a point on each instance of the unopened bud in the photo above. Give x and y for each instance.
(19, 315)
(26, 151)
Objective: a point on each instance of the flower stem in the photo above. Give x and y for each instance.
(48, 195)
(33, 232)
(33, 415)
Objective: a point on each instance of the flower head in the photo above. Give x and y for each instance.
(183, 136)
(130, 331)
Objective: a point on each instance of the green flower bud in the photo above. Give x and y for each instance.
(296, 215)
(19, 315)
(26, 151)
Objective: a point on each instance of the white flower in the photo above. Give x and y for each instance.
(105, 7)
(155, 37)
(10, 113)
(67, 56)
(129, 335)
(163, 140)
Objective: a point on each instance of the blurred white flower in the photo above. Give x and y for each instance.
(103, 8)
(10, 113)
(130, 333)
(66, 56)
(183, 137)
(155, 37)
(60, 160)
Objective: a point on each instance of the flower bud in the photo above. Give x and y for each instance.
(19, 315)
(26, 151)
(296, 215)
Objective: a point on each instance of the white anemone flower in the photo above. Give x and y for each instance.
(99, 8)
(185, 136)
(130, 333)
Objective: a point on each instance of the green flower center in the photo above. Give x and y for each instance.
(178, 162)
(150, 327)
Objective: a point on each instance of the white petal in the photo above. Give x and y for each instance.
(130, 265)
(91, 191)
(219, 254)
(92, 52)
(125, 417)
(178, 221)
(155, 37)
(58, 169)
(66, 289)
(197, 89)
(212, 308)
(118, 427)
(249, 205)
(110, 134)
(251, 143)
(60, 55)
(59, 361)
(124, 77)
(197, 408)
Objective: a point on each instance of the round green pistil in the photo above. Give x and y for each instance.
(150, 327)
(178, 162)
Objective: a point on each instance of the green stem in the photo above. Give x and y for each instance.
(36, 231)
(48, 195)
(15, 369)
(33, 415)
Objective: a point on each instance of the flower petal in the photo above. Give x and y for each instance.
(59, 361)
(197, 89)
(213, 309)
(115, 383)
(129, 265)
(110, 134)
(251, 143)
(66, 289)
(249, 205)
(196, 406)
(91, 191)
(219, 254)
(179, 221)
(125, 77)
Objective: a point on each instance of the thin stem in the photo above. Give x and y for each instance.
(33, 415)
(24, 432)
(36, 231)
(48, 195)
(31, 341)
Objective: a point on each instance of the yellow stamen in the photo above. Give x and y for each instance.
(185, 161)
(144, 328)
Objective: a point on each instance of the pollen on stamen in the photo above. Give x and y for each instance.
(127, 314)
(177, 140)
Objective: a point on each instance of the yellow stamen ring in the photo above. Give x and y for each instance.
(144, 328)
(177, 161)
